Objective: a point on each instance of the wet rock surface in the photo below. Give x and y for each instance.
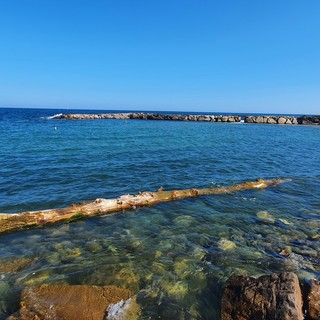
(74, 302)
(275, 297)
(14, 265)
(313, 301)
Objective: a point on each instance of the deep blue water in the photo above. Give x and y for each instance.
(170, 254)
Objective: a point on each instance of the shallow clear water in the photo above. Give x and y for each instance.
(172, 255)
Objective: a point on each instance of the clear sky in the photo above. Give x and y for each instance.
(217, 56)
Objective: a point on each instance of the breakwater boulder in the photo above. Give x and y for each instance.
(306, 120)
(271, 119)
(309, 120)
(149, 116)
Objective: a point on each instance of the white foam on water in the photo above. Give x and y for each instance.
(118, 311)
(54, 116)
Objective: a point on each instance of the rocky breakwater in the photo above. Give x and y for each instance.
(306, 120)
(271, 119)
(309, 120)
(149, 116)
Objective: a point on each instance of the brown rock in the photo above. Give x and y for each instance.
(51, 302)
(271, 120)
(224, 119)
(14, 265)
(248, 119)
(309, 120)
(259, 119)
(275, 297)
(282, 120)
(313, 301)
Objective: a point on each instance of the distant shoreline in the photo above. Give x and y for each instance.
(261, 119)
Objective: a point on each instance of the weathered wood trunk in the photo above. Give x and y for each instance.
(33, 219)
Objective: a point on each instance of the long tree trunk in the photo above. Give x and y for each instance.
(33, 219)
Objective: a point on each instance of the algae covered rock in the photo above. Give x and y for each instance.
(14, 265)
(176, 290)
(225, 244)
(127, 278)
(265, 216)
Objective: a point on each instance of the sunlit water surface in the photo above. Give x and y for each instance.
(175, 256)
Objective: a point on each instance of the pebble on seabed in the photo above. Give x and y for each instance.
(225, 244)
(265, 216)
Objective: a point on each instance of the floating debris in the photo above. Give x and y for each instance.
(36, 219)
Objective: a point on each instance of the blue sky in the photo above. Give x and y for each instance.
(217, 56)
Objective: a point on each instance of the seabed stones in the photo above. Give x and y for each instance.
(265, 216)
(226, 245)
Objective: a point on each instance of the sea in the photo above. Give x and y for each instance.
(176, 257)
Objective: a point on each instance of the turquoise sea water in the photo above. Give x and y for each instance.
(171, 255)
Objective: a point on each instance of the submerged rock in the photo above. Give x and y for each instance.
(275, 297)
(185, 220)
(49, 302)
(127, 278)
(177, 290)
(265, 216)
(14, 265)
(225, 244)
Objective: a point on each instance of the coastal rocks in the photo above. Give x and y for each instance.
(306, 120)
(313, 301)
(309, 120)
(76, 302)
(271, 119)
(275, 297)
(149, 116)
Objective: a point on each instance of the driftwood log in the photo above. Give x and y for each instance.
(34, 219)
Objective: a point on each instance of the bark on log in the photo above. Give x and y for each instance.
(35, 219)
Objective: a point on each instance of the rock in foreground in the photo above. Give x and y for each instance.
(63, 302)
(313, 301)
(275, 297)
